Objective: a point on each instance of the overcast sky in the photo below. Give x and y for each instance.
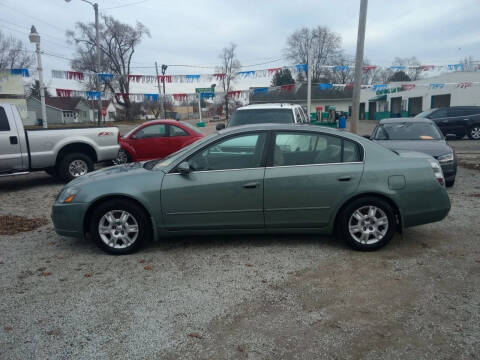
(194, 32)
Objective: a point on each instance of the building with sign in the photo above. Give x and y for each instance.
(408, 99)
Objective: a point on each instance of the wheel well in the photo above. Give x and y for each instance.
(379, 196)
(77, 147)
(91, 208)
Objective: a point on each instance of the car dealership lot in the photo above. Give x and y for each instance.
(237, 296)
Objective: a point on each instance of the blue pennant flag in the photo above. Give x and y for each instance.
(23, 72)
(246, 74)
(437, 86)
(301, 67)
(456, 67)
(192, 78)
(105, 77)
(207, 95)
(397, 67)
(151, 97)
(340, 68)
(260, 90)
(93, 95)
(379, 86)
(323, 86)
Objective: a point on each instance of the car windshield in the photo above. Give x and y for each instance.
(425, 113)
(407, 131)
(261, 116)
(167, 160)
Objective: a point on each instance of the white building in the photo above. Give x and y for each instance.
(452, 89)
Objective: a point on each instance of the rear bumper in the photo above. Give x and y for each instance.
(68, 219)
(436, 209)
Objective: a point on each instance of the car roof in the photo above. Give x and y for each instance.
(268, 106)
(289, 127)
(405, 120)
(163, 121)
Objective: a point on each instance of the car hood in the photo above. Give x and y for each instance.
(431, 147)
(110, 173)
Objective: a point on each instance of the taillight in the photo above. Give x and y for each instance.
(437, 171)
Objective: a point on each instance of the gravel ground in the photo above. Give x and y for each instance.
(257, 297)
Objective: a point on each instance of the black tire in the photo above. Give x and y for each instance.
(65, 162)
(362, 205)
(116, 207)
(474, 132)
(449, 183)
(123, 157)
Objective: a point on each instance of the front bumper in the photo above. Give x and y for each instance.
(68, 219)
(449, 170)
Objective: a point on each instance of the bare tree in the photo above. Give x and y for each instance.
(13, 53)
(325, 46)
(229, 66)
(117, 46)
(345, 74)
(469, 64)
(156, 108)
(412, 66)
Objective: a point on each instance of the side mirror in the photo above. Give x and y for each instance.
(184, 168)
(367, 137)
(220, 126)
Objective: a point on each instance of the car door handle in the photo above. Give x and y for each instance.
(344, 178)
(13, 140)
(250, 185)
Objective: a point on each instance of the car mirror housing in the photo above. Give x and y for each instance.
(220, 126)
(367, 137)
(184, 168)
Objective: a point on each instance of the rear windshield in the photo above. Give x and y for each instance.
(408, 131)
(191, 127)
(262, 116)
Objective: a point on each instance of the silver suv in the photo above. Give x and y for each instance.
(267, 113)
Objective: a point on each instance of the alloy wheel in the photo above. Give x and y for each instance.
(475, 132)
(122, 157)
(118, 229)
(78, 168)
(368, 225)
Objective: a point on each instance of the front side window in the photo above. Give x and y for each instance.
(309, 148)
(176, 131)
(239, 152)
(152, 131)
(4, 126)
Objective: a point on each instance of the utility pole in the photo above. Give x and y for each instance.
(200, 106)
(362, 20)
(35, 39)
(309, 79)
(164, 69)
(97, 43)
(158, 85)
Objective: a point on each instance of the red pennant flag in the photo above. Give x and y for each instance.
(235, 93)
(407, 87)
(136, 78)
(180, 97)
(273, 71)
(75, 75)
(288, 87)
(64, 92)
(426, 67)
(349, 86)
(165, 78)
(368, 67)
(122, 95)
(220, 76)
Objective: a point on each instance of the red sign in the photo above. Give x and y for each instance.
(104, 111)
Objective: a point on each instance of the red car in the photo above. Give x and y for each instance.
(156, 139)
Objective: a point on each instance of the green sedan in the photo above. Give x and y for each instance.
(267, 178)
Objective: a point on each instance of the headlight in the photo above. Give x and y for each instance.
(445, 158)
(67, 195)
(437, 171)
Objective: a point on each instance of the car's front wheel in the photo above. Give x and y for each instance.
(119, 226)
(474, 132)
(367, 223)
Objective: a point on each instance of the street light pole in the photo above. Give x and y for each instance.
(35, 39)
(362, 20)
(98, 65)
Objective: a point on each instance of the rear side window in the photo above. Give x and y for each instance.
(4, 126)
(456, 112)
(308, 148)
(176, 131)
(152, 131)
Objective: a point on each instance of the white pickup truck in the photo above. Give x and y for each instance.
(67, 152)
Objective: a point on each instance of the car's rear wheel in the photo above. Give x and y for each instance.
(367, 223)
(474, 132)
(122, 157)
(119, 226)
(74, 165)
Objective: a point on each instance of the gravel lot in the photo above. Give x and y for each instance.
(257, 297)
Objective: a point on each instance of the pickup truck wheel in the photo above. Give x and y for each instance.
(74, 165)
(367, 223)
(474, 132)
(119, 226)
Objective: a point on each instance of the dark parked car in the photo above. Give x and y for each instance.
(419, 135)
(456, 120)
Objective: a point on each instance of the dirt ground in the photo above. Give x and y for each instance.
(239, 297)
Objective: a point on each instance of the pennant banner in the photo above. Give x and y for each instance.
(151, 97)
(260, 90)
(23, 72)
(105, 77)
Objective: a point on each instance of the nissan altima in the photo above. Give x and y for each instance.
(267, 178)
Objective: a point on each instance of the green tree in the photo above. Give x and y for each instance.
(282, 77)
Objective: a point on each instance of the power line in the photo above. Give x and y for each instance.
(125, 5)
